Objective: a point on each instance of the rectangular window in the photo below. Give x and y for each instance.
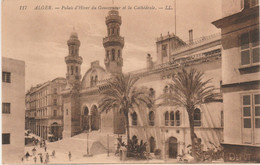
(55, 90)
(164, 50)
(246, 111)
(251, 118)
(55, 102)
(250, 48)
(6, 107)
(6, 77)
(54, 112)
(6, 138)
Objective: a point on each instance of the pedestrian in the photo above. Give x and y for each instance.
(33, 151)
(70, 155)
(41, 158)
(35, 159)
(47, 157)
(22, 159)
(27, 155)
(53, 153)
(45, 148)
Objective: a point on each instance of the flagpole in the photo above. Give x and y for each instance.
(175, 15)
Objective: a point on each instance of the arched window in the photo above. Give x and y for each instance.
(119, 54)
(222, 118)
(177, 117)
(113, 30)
(76, 69)
(107, 54)
(71, 70)
(96, 79)
(152, 144)
(197, 117)
(86, 111)
(113, 54)
(172, 118)
(134, 118)
(54, 112)
(151, 92)
(92, 81)
(165, 90)
(166, 117)
(151, 118)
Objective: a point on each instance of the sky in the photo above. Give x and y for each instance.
(39, 37)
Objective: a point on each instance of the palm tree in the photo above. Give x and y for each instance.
(123, 96)
(189, 89)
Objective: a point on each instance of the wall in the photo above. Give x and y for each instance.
(13, 123)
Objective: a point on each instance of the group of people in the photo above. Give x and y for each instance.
(40, 157)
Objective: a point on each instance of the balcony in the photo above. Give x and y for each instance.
(172, 122)
(151, 122)
(197, 123)
(49, 117)
(134, 122)
(113, 41)
(166, 122)
(73, 59)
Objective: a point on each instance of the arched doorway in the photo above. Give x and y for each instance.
(173, 146)
(152, 144)
(95, 118)
(85, 118)
(55, 131)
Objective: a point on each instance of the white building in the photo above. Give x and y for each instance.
(13, 110)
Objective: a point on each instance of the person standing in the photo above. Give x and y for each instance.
(53, 153)
(70, 155)
(47, 157)
(45, 148)
(41, 158)
(35, 159)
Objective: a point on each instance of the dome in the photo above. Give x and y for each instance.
(74, 34)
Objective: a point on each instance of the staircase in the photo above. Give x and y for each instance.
(97, 143)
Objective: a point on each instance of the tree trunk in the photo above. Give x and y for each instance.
(127, 129)
(192, 133)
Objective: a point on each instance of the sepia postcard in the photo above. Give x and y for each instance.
(130, 81)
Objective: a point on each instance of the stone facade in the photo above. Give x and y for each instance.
(13, 88)
(240, 79)
(169, 133)
(44, 113)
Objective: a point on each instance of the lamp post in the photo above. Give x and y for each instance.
(88, 154)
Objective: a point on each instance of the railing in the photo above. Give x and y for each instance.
(172, 122)
(134, 122)
(166, 122)
(151, 123)
(178, 122)
(197, 123)
(199, 40)
(181, 61)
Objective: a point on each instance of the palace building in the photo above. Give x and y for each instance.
(165, 128)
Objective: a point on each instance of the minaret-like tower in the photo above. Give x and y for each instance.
(70, 95)
(113, 43)
(73, 61)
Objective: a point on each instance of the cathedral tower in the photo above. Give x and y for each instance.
(113, 43)
(73, 61)
(70, 95)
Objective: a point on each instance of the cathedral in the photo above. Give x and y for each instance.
(165, 128)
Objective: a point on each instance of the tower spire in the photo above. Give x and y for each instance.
(113, 43)
(73, 60)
